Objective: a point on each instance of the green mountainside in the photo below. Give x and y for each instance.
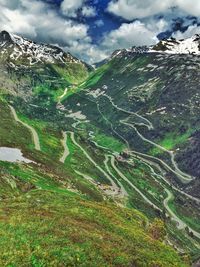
(106, 176)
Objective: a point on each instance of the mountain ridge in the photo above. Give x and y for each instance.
(35, 52)
(166, 46)
(42, 52)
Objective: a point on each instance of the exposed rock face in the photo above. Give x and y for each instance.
(18, 48)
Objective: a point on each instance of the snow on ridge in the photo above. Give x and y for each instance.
(34, 53)
(185, 46)
(169, 46)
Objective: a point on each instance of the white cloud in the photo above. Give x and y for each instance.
(92, 53)
(99, 23)
(132, 34)
(132, 9)
(191, 31)
(70, 7)
(23, 25)
(190, 7)
(36, 19)
(88, 11)
(10, 4)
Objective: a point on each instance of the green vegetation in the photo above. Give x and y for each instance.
(45, 91)
(92, 79)
(50, 139)
(71, 90)
(95, 76)
(184, 215)
(110, 142)
(48, 229)
(170, 141)
(13, 134)
(74, 73)
(79, 162)
(139, 176)
(51, 215)
(27, 178)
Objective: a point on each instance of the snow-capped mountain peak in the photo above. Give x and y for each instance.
(168, 46)
(184, 46)
(16, 48)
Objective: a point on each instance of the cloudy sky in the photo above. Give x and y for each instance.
(92, 29)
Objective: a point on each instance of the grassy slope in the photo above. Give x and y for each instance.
(170, 141)
(50, 229)
(74, 73)
(91, 80)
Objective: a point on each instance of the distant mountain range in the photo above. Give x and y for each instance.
(17, 48)
(169, 46)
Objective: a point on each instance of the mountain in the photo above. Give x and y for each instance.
(98, 167)
(37, 65)
(184, 46)
(168, 46)
(18, 49)
(180, 62)
(152, 88)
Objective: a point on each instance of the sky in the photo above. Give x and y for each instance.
(92, 29)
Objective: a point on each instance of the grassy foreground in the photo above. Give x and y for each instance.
(43, 228)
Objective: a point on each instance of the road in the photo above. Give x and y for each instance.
(150, 160)
(183, 176)
(122, 189)
(62, 96)
(148, 124)
(180, 223)
(35, 136)
(66, 149)
(162, 177)
(113, 184)
(132, 185)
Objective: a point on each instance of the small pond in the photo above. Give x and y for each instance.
(12, 155)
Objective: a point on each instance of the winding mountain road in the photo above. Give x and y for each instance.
(149, 164)
(122, 189)
(180, 223)
(66, 149)
(133, 186)
(147, 158)
(113, 184)
(183, 176)
(148, 124)
(35, 136)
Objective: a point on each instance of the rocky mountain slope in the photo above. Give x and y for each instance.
(28, 65)
(163, 89)
(167, 46)
(184, 46)
(19, 49)
(101, 160)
